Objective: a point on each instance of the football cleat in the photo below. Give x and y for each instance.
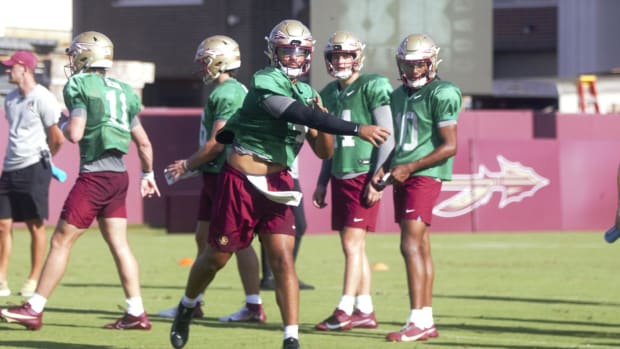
(247, 313)
(267, 284)
(409, 333)
(612, 234)
(23, 315)
(432, 332)
(130, 322)
(363, 320)
(290, 343)
(338, 321)
(172, 312)
(179, 332)
(305, 286)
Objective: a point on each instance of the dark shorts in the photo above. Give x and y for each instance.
(240, 210)
(207, 196)
(24, 193)
(349, 207)
(416, 198)
(96, 195)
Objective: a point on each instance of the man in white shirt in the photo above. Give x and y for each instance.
(32, 112)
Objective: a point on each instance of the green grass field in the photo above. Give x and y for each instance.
(534, 290)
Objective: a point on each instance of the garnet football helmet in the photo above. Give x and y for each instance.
(344, 42)
(293, 36)
(417, 49)
(90, 50)
(217, 54)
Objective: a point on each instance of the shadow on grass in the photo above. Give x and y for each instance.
(545, 301)
(495, 346)
(51, 345)
(214, 322)
(377, 334)
(531, 331)
(179, 287)
(89, 311)
(305, 328)
(540, 321)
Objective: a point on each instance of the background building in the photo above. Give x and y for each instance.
(168, 33)
(502, 53)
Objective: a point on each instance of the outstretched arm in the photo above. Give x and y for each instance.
(209, 151)
(292, 111)
(322, 143)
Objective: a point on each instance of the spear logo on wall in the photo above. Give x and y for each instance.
(515, 182)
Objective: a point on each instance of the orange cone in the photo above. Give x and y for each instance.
(380, 267)
(186, 262)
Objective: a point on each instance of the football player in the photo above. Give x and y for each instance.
(103, 120)
(219, 58)
(425, 110)
(364, 99)
(255, 188)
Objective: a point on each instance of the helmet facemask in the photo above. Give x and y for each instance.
(415, 50)
(290, 37)
(217, 54)
(344, 43)
(293, 69)
(408, 74)
(209, 72)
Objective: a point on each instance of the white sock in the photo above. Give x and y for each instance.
(364, 303)
(253, 299)
(199, 298)
(135, 306)
(346, 304)
(189, 302)
(291, 331)
(417, 317)
(37, 302)
(428, 317)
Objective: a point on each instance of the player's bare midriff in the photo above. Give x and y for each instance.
(252, 165)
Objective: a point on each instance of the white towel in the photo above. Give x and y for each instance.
(291, 198)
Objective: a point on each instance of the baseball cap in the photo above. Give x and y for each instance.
(25, 58)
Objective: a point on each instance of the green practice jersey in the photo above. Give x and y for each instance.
(417, 119)
(110, 107)
(258, 131)
(355, 104)
(224, 101)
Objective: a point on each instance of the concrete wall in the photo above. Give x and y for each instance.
(462, 29)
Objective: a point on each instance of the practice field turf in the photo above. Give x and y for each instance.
(530, 290)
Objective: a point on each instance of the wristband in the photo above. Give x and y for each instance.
(149, 176)
(184, 165)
